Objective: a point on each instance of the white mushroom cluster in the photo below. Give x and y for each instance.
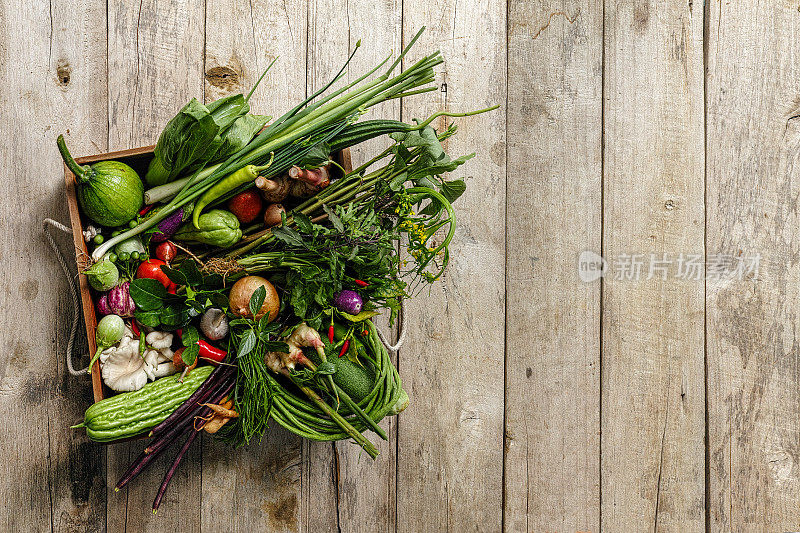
(123, 369)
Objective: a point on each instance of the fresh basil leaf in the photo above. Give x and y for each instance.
(190, 353)
(148, 294)
(257, 300)
(191, 272)
(151, 319)
(196, 306)
(247, 343)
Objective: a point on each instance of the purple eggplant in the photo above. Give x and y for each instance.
(348, 302)
(168, 226)
(120, 301)
(102, 305)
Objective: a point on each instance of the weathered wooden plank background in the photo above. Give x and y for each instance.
(660, 132)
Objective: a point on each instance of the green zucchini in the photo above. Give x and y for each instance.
(131, 413)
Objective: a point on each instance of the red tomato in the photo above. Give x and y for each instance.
(152, 269)
(166, 251)
(246, 206)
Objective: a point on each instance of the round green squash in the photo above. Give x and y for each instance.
(110, 193)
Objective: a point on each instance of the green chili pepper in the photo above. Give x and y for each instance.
(244, 175)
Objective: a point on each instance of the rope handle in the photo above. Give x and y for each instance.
(76, 306)
(401, 338)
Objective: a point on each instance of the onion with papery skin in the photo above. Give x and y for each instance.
(349, 302)
(120, 301)
(243, 289)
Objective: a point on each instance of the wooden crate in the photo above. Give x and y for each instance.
(138, 159)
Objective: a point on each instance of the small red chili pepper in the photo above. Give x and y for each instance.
(345, 346)
(330, 334)
(364, 333)
(134, 328)
(210, 353)
(145, 209)
(361, 283)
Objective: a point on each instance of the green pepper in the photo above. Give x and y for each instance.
(216, 228)
(244, 175)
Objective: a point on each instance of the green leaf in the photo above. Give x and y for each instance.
(148, 294)
(316, 157)
(188, 138)
(288, 236)
(326, 369)
(191, 272)
(453, 189)
(247, 343)
(334, 218)
(304, 223)
(257, 300)
(241, 132)
(175, 276)
(151, 319)
(363, 315)
(190, 336)
(276, 346)
(426, 138)
(174, 316)
(211, 282)
(190, 354)
(219, 300)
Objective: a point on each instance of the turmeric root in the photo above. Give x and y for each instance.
(221, 414)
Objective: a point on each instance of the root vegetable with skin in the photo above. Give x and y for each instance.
(318, 177)
(272, 215)
(275, 189)
(222, 414)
